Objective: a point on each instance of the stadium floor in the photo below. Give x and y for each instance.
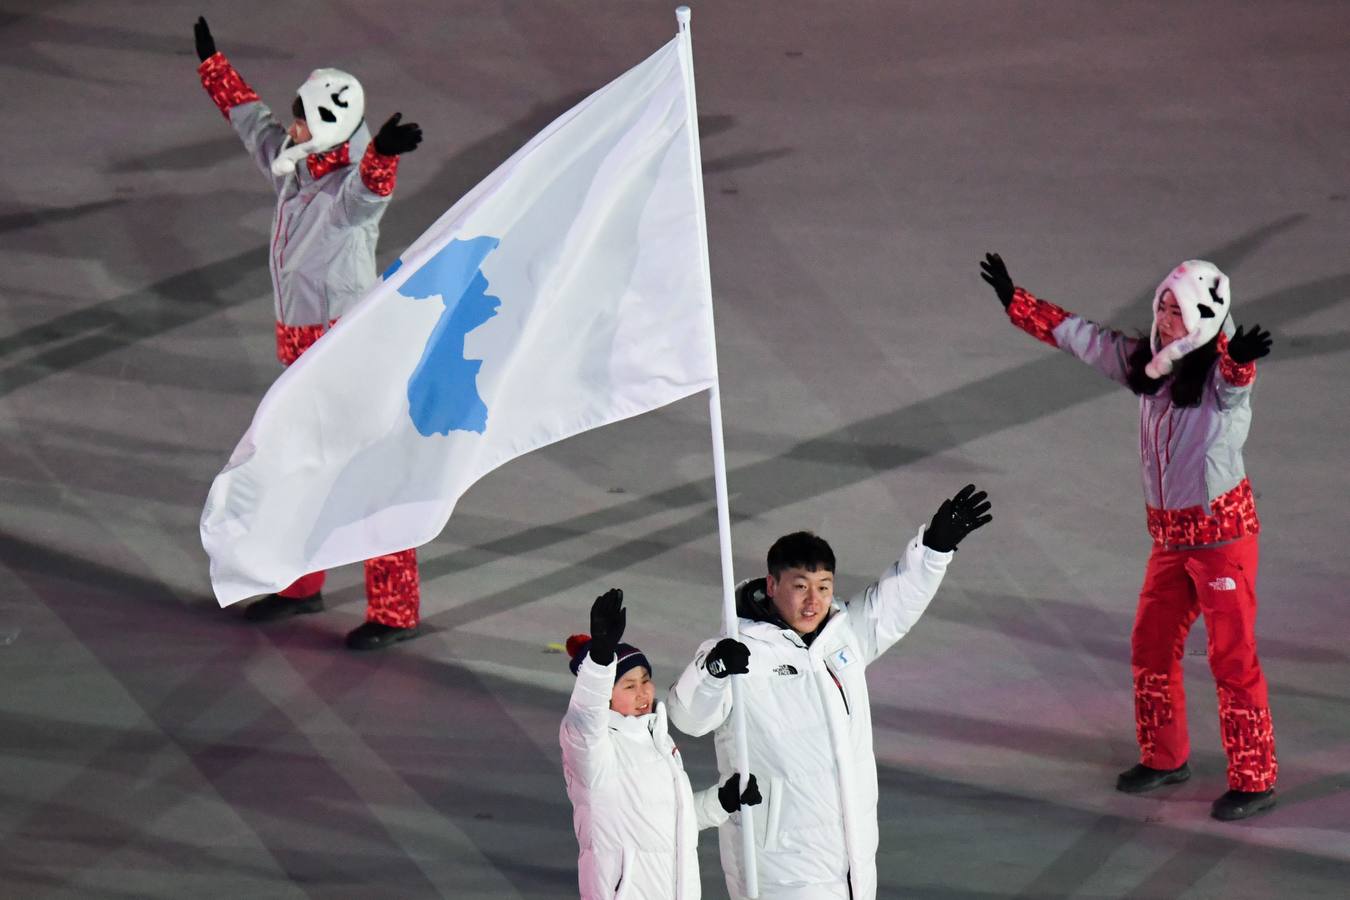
(859, 159)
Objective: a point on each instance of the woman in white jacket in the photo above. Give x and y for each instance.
(636, 817)
(808, 717)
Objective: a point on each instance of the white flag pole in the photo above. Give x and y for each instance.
(729, 618)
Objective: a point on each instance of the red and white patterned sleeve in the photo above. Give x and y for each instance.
(1105, 349)
(1038, 318)
(226, 86)
(378, 171)
(1234, 373)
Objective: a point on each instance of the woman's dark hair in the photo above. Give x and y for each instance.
(1189, 375)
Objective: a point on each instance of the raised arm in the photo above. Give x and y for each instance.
(1236, 370)
(239, 103)
(365, 194)
(701, 700)
(888, 608)
(584, 734)
(1106, 350)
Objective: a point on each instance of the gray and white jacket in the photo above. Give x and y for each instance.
(326, 223)
(1195, 485)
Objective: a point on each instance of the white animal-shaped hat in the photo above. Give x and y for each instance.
(334, 106)
(1202, 292)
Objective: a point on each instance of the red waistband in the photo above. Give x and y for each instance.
(1232, 515)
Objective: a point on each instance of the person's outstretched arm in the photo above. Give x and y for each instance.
(701, 700)
(239, 103)
(366, 192)
(1106, 350)
(888, 608)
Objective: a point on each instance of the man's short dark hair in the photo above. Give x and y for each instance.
(800, 550)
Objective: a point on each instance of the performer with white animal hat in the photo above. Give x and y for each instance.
(1194, 377)
(322, 261)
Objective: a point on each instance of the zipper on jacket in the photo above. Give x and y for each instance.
(1155, 426)
(842, 695)
(680, 849)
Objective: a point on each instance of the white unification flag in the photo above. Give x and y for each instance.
(566, 291)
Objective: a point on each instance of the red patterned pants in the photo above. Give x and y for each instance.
(393, 594)
(1220, 584)
(392, 590)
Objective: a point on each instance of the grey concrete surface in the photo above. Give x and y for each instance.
(860, 158)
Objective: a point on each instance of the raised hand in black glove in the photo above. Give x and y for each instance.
(608, 618)
(394, 138)
(1253, 345)
(995, 272)
(206, 45)
(727, 657)
(733, 798)
(957, 518)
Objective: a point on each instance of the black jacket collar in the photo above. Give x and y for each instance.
(753, 603)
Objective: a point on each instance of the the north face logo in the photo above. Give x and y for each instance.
(785, 669)
(1223, 584)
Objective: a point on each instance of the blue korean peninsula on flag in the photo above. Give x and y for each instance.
(443, 390)
(566, 291)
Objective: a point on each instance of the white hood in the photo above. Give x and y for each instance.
(1202, 292)
(335, 106)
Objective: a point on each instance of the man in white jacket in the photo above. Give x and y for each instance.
(636, 817)
(808, 717)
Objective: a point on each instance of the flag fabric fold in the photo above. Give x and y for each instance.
(566, 291)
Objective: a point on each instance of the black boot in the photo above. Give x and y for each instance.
(375, 635)
(1236, 805)
(1142, 778)
(275, 606)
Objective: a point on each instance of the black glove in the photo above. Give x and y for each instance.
(727, 657)
(206, 45)
(394, 138)
(957, 518)
(608, 618)
(995, 272)
(1253, 345)
(732, 798)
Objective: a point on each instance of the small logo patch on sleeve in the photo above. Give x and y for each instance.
(1223, 584)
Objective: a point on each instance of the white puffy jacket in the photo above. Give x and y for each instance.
(635, 815)
(809, 726)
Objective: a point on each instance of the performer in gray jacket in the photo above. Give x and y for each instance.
(1193, 375)
(322, 261)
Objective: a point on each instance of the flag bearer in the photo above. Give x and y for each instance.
(332, 184)
(808, 717)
